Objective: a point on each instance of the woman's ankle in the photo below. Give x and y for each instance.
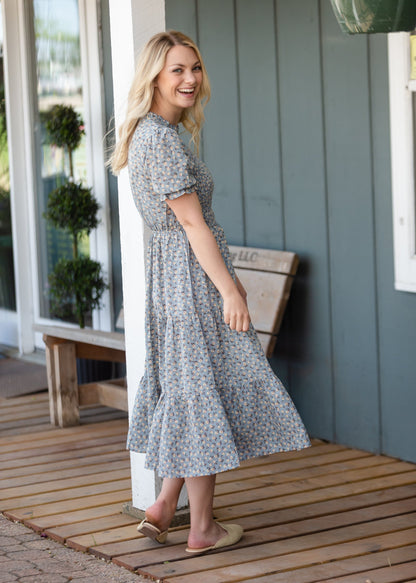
(161, 513)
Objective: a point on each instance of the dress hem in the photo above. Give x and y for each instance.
(223, 468)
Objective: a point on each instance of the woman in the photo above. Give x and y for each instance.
(208, 398)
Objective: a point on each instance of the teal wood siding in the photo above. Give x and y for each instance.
(297, 138)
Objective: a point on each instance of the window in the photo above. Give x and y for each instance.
(403, 154)
(59, 81)
(68, 70)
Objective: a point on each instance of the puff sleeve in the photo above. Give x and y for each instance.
(168, 165)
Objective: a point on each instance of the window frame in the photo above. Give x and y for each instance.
(402, 161)
(20, 98)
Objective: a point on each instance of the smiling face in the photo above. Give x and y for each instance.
(177, 84)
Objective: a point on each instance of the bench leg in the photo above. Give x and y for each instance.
(67, 405)
(50, 372)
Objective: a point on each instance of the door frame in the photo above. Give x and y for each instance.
(20, 87)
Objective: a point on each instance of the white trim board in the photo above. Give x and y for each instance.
(403, 162)
(93, 93)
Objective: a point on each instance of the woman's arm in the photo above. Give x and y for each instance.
(189, 213)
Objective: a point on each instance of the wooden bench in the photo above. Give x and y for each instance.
(267, 276)
(63, 346)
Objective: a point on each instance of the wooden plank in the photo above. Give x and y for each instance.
(42, 523)
(50, 478)
(25, 423)
(66, 435)
(306, 343)
(351, 218)
(90, 500)
(268, 342)
(324, 481)
(62, 487)
(309, 496)
(137, 552)
(66, 494)
(15, 408)
(267, 296)
(111, 522)
(244, 563)
(276, 462)
(62, 451)
(51, 376)
(258, 259)
(181, 15)
(316, 450)
(27, 429)
(22, 413)
(24, 400)
(73, 462)
(221, 155)
(84, 350)
(354, 565)
(394, 574)
(87, 541)
(96, 337)
(105, 393)
(67, 405)
(260, 149)
(101, 414)
(145, 556)
(291, 475)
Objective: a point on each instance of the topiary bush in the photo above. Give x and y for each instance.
(73, 208)
(64, 128)
(76, 285)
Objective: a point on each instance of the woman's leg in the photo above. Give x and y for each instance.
(204, 530)
(162, 511)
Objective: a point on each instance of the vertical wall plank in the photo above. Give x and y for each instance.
(351, 234)
(259, 123)
(308, 332)
(221, 134)
(181, 15)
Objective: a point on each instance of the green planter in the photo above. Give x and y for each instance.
(370, 16)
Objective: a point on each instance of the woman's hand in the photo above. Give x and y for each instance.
(241, 289)
(236, 312)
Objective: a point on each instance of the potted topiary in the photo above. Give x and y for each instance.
(370, 16)
(76, 285)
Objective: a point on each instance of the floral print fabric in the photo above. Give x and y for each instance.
(208, 398)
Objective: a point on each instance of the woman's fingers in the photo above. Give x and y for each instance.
(237, 316)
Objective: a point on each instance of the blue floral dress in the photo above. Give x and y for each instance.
(208, 398)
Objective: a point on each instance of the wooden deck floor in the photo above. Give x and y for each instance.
(328, 513)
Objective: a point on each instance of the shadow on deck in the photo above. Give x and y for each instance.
(328, 513)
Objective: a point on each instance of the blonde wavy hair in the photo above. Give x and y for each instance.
(150, 62)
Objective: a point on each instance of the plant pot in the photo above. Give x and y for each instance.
(370, 16)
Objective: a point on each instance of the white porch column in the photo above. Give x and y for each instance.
(132, 23)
